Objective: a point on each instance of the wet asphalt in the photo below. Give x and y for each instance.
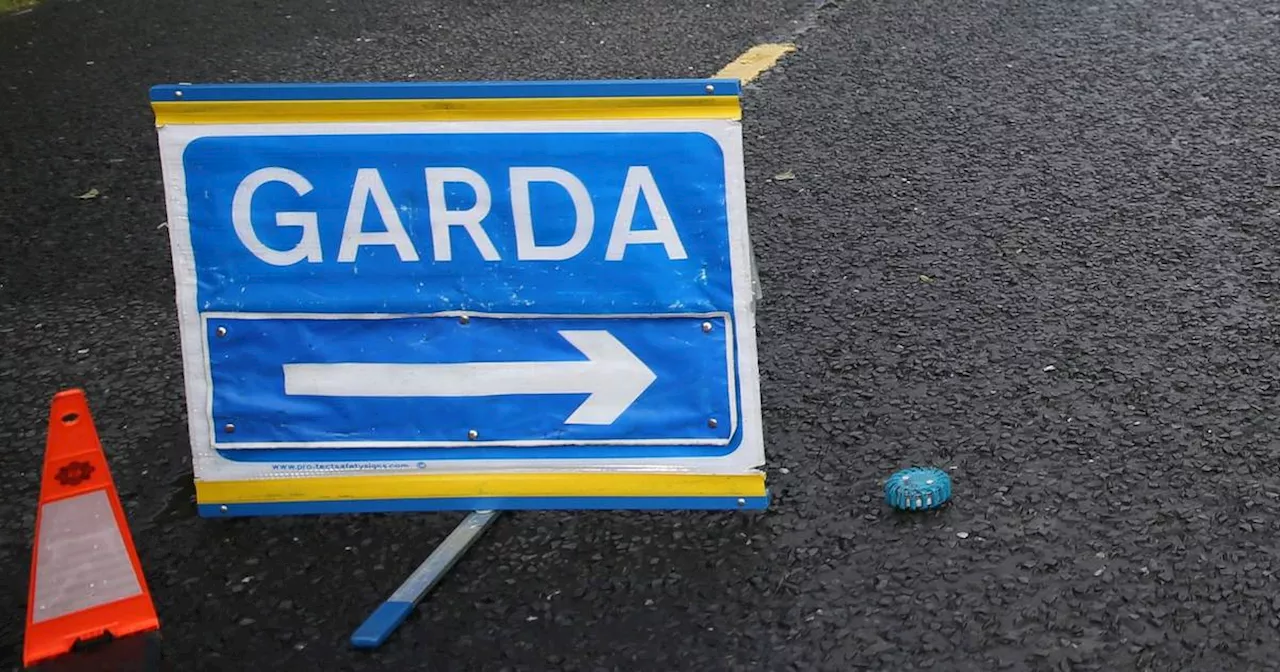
(1034, 243)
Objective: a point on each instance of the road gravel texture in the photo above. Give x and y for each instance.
(1033, 243)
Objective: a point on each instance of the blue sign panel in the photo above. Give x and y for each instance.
(572, 227)
(450, 382)
(428, 284)
(529, 222)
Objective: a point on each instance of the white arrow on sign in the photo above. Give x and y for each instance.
(612, 375)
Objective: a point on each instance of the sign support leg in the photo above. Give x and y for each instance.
(390, 614)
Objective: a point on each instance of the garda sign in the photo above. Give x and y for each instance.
(464, 296)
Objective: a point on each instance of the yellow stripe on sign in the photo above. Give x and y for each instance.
(477, 109)
(423, 486)
(754, 61)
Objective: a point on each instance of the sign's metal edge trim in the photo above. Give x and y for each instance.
(753, 503)
(690, 87)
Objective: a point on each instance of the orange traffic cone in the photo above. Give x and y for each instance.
(86, 581)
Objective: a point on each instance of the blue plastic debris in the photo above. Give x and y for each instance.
(918, 489)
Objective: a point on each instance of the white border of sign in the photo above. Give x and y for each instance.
(209, 465)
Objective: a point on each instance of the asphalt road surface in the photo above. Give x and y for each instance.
(1032, 242)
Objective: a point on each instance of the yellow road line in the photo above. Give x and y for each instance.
(754, 61)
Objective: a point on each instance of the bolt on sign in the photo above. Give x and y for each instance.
(454, 296)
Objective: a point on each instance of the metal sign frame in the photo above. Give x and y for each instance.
(466, 472)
